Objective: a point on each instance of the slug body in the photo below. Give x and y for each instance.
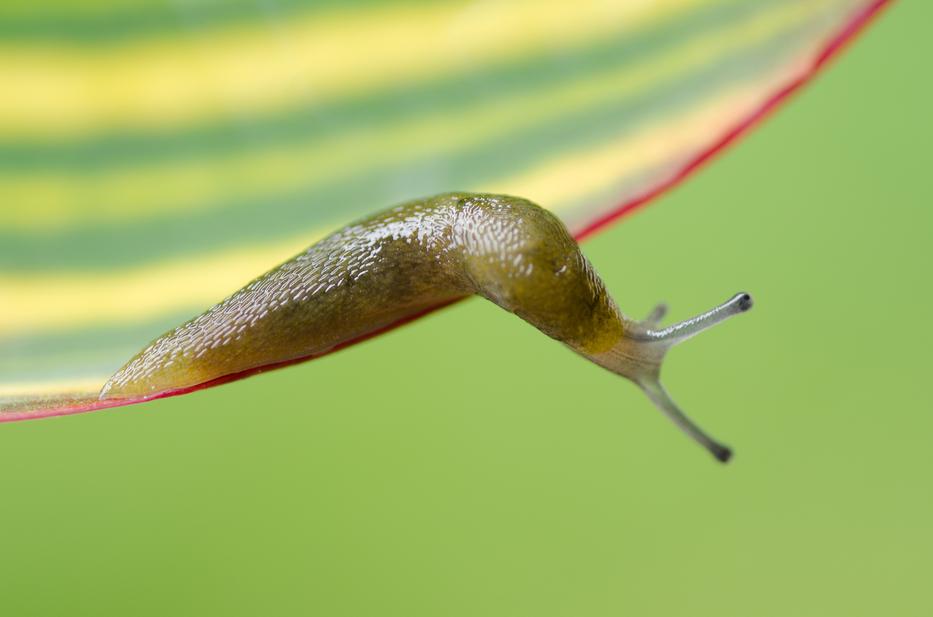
(402, 262)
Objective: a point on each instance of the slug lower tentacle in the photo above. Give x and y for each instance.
(401, 262)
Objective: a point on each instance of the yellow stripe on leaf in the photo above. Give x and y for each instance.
(54, 201)
(68, 91)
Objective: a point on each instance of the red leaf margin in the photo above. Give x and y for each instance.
(828, 52)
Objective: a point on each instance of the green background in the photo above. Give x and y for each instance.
(467, 465)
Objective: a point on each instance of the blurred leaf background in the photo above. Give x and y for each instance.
(466, 465)
(154, 157)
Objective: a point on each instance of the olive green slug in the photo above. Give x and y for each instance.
(401, 262)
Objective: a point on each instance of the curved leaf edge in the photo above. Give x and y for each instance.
(829, 51)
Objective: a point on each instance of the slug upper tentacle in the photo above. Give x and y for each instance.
(401, 262)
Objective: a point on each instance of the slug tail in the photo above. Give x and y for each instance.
(640, 354)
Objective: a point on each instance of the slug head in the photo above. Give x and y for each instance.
(639, 355)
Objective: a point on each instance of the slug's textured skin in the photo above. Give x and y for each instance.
(396, 264)
(379, 271)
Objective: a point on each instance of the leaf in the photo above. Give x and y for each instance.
(152, 160)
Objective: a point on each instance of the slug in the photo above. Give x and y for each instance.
(402, 262)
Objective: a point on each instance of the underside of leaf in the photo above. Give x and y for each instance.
(149, 167)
